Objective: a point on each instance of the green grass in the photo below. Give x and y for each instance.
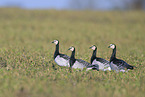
(26, 48)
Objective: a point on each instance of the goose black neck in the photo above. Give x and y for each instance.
(113, 54)
(73, 54)
(56, 50)
(93, 55)
(72, 58)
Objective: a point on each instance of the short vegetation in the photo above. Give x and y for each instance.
(27, 68)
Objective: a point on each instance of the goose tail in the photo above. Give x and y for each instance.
(132, 67)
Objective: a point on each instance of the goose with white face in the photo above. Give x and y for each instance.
(60, 59)
(112, 46)
(71, 48)
(55, 42)
(117, 64)
(93, 47)
(102, 63)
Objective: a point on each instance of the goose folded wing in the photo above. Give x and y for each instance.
(64, 56)
(83, 62)
(102, 60)
(126, 65)
(120, 63)
(88, 65)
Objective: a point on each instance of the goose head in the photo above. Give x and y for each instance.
(72, 48)
(55, 42)
(112, 46)
(93, 47)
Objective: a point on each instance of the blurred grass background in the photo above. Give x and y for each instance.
(26, 48)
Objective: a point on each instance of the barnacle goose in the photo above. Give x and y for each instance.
(118, 64)
(60, 59)
(78, 63)
(102, 63)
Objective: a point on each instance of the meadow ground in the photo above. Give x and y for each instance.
(26, 49)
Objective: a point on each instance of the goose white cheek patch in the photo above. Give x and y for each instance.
(93, 47)
(112, 46)
(56, 42)
(72, 49)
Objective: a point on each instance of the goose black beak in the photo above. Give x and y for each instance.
(90, 47)
(69, 48)
(108, 46)
(52, 42)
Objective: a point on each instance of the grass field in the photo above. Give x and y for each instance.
(26, 49)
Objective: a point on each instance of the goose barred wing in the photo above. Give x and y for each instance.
(126, 65)
(64, 56)
(122, 64)
(88, 65)
(119, 63)
(83, 62)
(102, 60)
